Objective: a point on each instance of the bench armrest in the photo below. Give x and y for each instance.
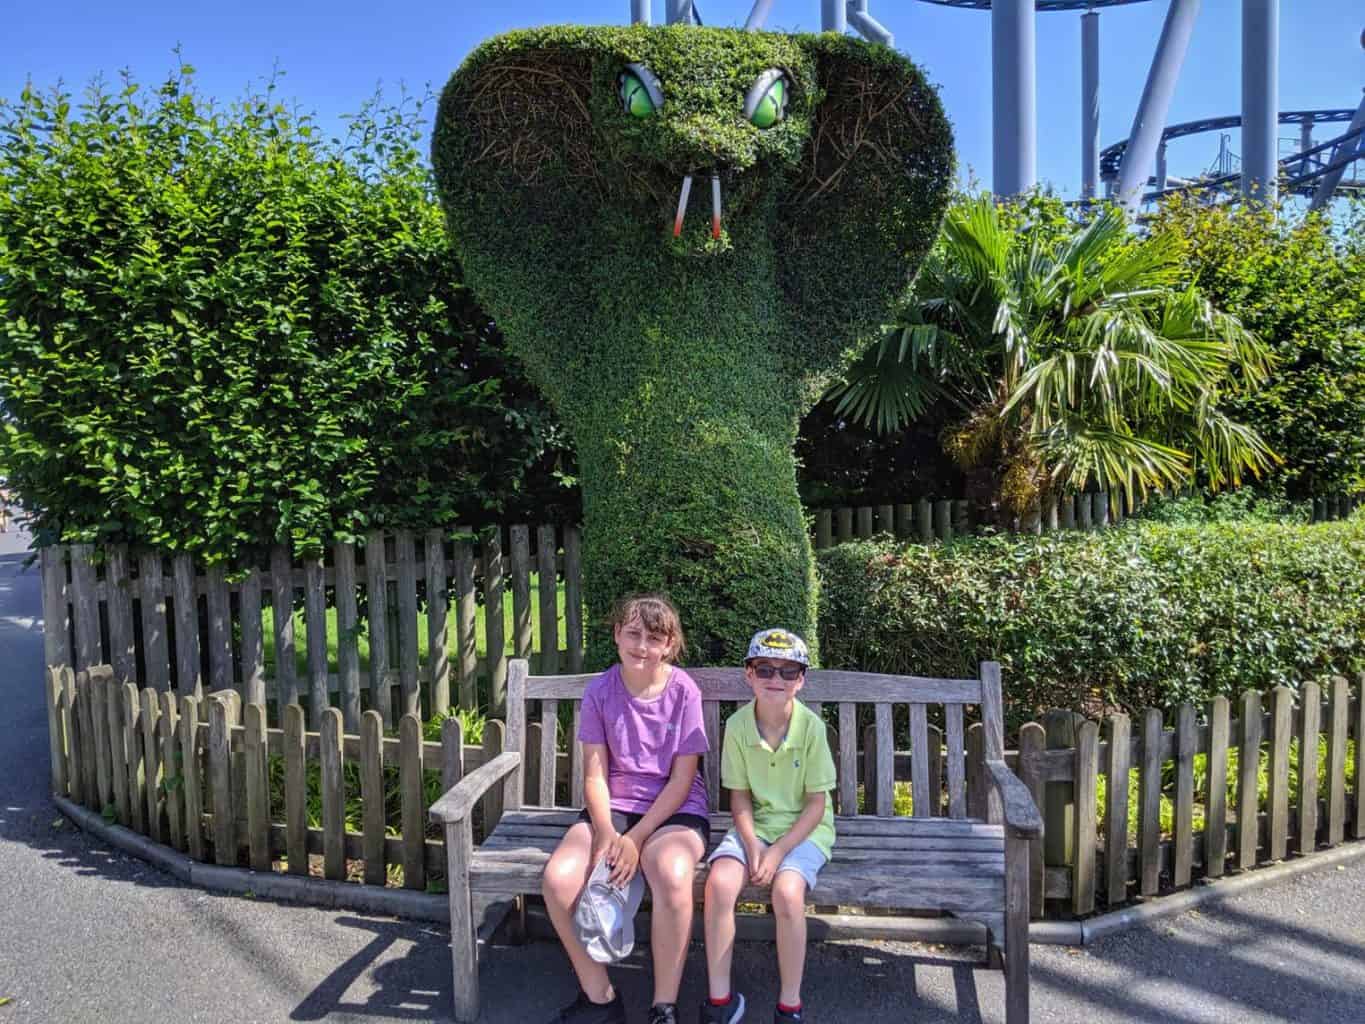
(459, 800)
(1021, 814)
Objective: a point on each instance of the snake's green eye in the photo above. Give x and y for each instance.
(766, 102)
(641, 94)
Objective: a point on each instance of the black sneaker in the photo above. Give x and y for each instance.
(788, 1017)
(663, 1013)
(584, 1011)
(731, 1013)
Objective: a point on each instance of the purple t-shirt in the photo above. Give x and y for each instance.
(642, 738)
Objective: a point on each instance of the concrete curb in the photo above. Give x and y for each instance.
(822, 927)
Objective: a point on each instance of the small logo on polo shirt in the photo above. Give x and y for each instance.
(796, 764)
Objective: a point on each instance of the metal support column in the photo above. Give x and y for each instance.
(1260, 99)
(679, 12)
(868, 27)
(1090, 103)
(1014, 106)
(1327, 184)
(639, 12)
(833, 16)
(1161, 167)
(1306, 133)
(1150, 120)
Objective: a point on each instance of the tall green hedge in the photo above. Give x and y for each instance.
(681, 366)
(219, 329)
(1144, 615)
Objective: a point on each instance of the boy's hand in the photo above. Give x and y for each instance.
(767, 867)
(623, 858)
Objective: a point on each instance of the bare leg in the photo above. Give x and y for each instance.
(565, 876)
(669, 861)
(723, 885)
(789, 907)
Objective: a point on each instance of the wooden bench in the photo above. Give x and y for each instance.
(973, 868)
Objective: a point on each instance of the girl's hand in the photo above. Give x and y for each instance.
(768, 865)
(601, 844)
(624, 858)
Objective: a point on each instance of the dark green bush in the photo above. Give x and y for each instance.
(219, 329)
(1146, 614)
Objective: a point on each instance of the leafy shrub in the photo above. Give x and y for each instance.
(1145, 615)
(219, 329)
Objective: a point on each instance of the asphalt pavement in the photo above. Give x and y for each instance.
(89, 934)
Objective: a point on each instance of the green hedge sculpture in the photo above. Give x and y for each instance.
(681, 359)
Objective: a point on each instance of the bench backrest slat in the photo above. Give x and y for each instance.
(886, 693)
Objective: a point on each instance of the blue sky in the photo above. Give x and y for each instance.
(334, 54)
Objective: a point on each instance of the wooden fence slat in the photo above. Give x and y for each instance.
(150, 718)
(372, 795)
(452, 753)
(844, 525)
(573, 596)
(414, 809)
(495, 641)
(119, 605)
(118, 751)
(71, 726)
(1311, 699)
(905, 520)
(220, 627)
(1149, 839)
(333, 794)
(549, 732)
(348, 646)
(257, 788)
(438, 658)
(1032, 742)
(1336, 761)
(191, 768)
(89, 744)
(1083, 861)
(315, 628)
(848, 758)
(52, 689)
(864, 528)
(172, 770)
(957, 803)
(943, 519)
(84, 607)
(466, 622)
(921, 803)
(132, 746)
(886, 760)
(547, 593)
(576, 758)
(295, 791)
(100, 680)
(824, 529)
(56, 613)
(886, 520)
(156, 657)
(189, 674)
(1117, 770)
(1186, 746)
(282, 614)
(1248, 768)
(220, 782)
(521, 591)
(1059, 797)
(1358, 830)
(407, 622)
(1215, 797)
(1281, 731)
(377, 607)
(253, 638)
(493, 745)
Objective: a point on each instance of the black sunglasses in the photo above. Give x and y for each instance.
(768, 671)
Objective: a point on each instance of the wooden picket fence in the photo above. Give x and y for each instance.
(943, 519)
(178, 625)
(160, 763)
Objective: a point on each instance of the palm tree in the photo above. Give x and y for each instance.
(1072, 358)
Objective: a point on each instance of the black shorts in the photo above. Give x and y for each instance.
(624, 821)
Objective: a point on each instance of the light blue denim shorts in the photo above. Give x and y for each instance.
(806, 860)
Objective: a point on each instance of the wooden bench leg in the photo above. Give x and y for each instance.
(463, 940)
(1016, 930)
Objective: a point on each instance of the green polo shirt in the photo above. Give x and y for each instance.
(779, 780)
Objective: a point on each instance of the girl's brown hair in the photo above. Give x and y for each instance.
(656, 613)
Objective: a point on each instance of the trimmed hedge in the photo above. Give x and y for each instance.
(681, 366)
(1148, 614)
